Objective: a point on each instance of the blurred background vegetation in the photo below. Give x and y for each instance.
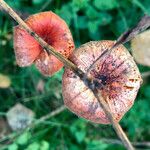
(88, 20)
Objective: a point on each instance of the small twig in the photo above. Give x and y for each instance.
(32, 125)
(141, 26)
(2, 114)
(45, 5)
(50, 50)
(51, 114)
(36, 122)
(115, 125)
(145, 74)
(136, 144)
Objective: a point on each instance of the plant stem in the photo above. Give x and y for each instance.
(50, 50)
(145, 74)
(121, 134)
(143, 144)
(12, 136)
(51, 114)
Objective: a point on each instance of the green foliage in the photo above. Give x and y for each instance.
(88, 20)
(96, 144)
(23, 139)
(138, 118)
(66, 13)
(24, 142)
(13, 147)
(78, 130)
(38, 2)
(105, 4)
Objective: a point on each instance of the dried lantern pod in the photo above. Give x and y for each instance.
(141, 48)
(118, 76)
(54, 31)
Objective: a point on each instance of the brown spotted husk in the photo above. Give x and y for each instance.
(118, 76)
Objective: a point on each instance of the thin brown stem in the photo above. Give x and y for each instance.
(13, 136)
(45, 5)
(51, 114)
(116, 125)
(145, 74)
(145, 144)
(50, 50)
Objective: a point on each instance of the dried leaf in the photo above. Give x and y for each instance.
(141, 48)
(142, 25)
(4, 81)
(19, 117)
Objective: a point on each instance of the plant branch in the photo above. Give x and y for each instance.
(115, 125)
(88, 82)
(45, 5)
(49, 49)
(50, 115)
(145, 74)
(145, 144)
(11, 137)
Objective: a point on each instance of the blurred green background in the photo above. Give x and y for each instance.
(88, 20)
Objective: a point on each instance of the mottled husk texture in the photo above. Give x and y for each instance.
(118, 77)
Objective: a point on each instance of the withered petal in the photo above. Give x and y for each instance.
(118, 81)
(54, 31)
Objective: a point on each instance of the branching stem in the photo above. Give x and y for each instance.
(88, 82)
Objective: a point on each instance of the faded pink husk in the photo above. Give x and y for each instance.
(54, 31)
(118, 74)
